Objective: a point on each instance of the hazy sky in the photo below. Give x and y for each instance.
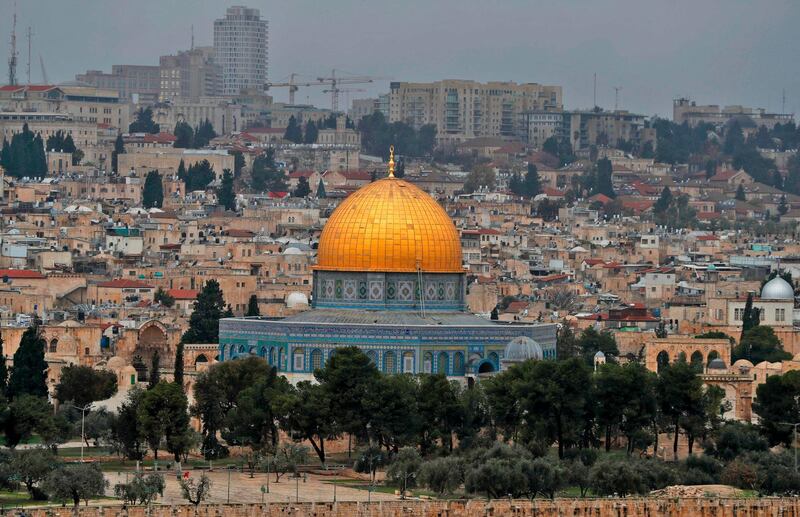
(716, 51)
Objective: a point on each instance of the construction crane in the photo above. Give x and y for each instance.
(44, 72)
(346, 91)
(334, 82)
(293, 86)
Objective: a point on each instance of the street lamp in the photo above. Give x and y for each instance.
(83, 411)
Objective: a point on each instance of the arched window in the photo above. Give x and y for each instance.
(53, 346)
(408, 362)
(427, 362)
(373, 357)
(316, 359)
(458, 364)
(662, 360)
(299, 363)
(494, 359)
(201, 359)
(389, 362)
(272, 356)
(697, 361)
(241, 349)
(280, 359)
(443, 366)
(712, 355)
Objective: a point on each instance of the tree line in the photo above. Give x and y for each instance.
(24, 155)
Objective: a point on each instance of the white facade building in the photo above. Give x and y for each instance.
(240, 48)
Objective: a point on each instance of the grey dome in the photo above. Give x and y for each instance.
(716, 364)
(777, 289)
(599, 355)
(522, 348)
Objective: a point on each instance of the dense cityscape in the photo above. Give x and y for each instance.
(455, 297)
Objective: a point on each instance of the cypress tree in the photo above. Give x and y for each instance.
(155, 375)
(182, 175)
(751, 316)
(119, 148)
(226, 197)
(28, 374)
(3, 370)
(321, 190)
(302, 189)
(252, 306)
(5, 155)
(153, 192)
(293, 133)
(178, 377)
(531, 185)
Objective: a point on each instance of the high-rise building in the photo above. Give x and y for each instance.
(462, 110)
(190, 74)
(240, 46)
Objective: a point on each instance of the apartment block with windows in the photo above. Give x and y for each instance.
(240, 47)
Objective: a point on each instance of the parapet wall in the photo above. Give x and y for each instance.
(700, 507)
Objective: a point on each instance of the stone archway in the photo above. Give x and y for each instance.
(485, 366)
(152, 337)
(662, 360)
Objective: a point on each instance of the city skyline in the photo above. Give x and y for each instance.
(736, 55)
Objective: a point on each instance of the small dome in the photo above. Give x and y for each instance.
(599, 355)
(293, 251)
(777, 289)
(523, 348)
(296, 299)
(716, 364)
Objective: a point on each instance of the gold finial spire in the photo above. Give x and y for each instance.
(391, 161)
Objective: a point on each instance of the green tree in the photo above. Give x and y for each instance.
(711, 168)
(265, 175)
(481, 177)
(442, 475)
(321, 190)
(238, 163)
(591, 341)
(3, 371)
(177, 378)
(307, 416)
(544, 477)
(302, 190)
(196, 492)
(740, 195)
(734, 439)
(184, 135)
(83, 385)
(252, 422)
(252, 306)
(28, 374)
(164, 298)
(76, 482)
(311, 132)
(734, 138)
(440, 410)
(783, 207)
(294, 132)
(155, 371)
(348, 377)
(226, 197)
(25, 415)
(603, 183)
(391, 406)
(626, 401)
(198, 176)
(119, 148)
(751, 316)
(126, 429)
(760, 344)
(162, 415)
(32, 466)
(288, 458)
(203, 134)
(531, 184)
(404, 469)
(664, 202)
(680, 395)
(370, 460)
(143, 122)
(616, 477)
(777, 404)
(182, 173)
(142, 488)
(153, 192)
(204, 321)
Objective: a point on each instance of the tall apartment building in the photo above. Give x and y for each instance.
(240, 46)
(133, 83)
(600, 127)
(686, 110)
(190, 74)
(360, 108)
(462, 110)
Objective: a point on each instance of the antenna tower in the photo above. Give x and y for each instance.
(12, 60)
(28, 68)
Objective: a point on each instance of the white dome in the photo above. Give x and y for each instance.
(777, 289)
(296, 299)
(522, 348)
(292, 251)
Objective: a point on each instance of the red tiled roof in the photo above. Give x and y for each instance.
(723, 175)
(277, 195)
(602, 198)
(123, 283)
(183, 294)
(516, 306)
(237, 232)
(301, 174)
(21, 273)
(160, 138)
(551, 278)
(709, 215)
(594, 262)
(708, 238)
(357, 175)
(552, 192)
(30, 87)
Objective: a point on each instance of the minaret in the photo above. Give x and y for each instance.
(391, 161)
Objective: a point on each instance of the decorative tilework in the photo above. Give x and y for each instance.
(391, 291)
(405, 291)
(362, 290)
(327, 289)
(450, 291)
(375, 290)
(430, 291)
(338, 289)
(349, 289)
(440, 291)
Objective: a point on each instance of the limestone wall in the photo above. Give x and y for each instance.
(540, 508)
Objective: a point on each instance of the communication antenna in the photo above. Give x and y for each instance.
(192, 48)
(783, 102)
(616, 97)
(28, 69)
(12, 60)
(594, 93)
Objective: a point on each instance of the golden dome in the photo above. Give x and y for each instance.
(390, 225)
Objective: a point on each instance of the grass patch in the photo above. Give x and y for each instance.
(17, 498)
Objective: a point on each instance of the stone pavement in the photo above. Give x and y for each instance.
(243, 489)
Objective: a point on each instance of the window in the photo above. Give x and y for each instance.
(427, 363)
(53, 346)
(443, 365)
(738, 314)
(780, 314)
(316, 359)
(389, 362)
(408, 362)
(299, 360)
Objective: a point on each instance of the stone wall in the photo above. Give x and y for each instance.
(672, 507)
